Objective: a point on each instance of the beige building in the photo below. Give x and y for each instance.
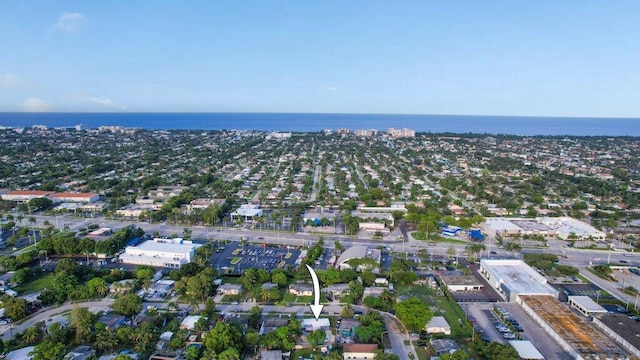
(301, 289)
(438, 325)
(359, 351)
(229, 289)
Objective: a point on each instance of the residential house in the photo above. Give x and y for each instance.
(82, 352)
(189, 322)
(301, 289)
(359, 351)
(348, 327)
(271, 355)
(337, 290)
(271, 323)
(112, 321)
(438, 325)
(229, 289)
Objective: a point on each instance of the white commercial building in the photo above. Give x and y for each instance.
(25, 195)
(168, 253)
(562, 227)
(526, 350)
(511, 278)
(586, 306)
(75, 197)
(438, 325)
(247, 211)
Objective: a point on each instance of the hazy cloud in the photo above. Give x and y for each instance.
(36, 105)
(13, 81)
(70, 22)
(100, 100)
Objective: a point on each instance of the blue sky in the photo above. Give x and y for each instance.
(534, 58)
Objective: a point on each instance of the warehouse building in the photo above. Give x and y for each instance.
(166, 253)
(575, 334)
(511, 278)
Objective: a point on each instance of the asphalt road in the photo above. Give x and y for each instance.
(47, 313)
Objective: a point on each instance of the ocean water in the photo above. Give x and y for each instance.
(317, 122)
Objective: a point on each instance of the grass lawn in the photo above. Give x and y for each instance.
(447, 308)
(453, 313)
(289, 298)
(304, 354)
(35, 285)
(598, 274)
(232, 280)
(231, 298)
(583, 279)
(305, 299)
(297, 299)
(235, 260)
(422, 353)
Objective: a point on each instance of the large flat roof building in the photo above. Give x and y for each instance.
(586, 306)
(621, 328)
(25, 195)
(168, 253)
(562, 227)
(75, 197)
(511, 278)
(575, 334)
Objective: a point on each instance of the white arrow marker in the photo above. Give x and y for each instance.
(316, 308)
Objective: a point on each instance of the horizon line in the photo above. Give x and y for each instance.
(314, 113)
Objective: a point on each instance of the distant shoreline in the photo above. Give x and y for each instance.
(314, 122)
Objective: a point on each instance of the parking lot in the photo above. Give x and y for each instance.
(234, 258)
(486, 319)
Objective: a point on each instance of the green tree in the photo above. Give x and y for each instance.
(31, 335)
(279, 278)
(347, 312)
(316, 338)
(15, 308)
(414, 313)
(48, 350)
(144, 274)
(97, 286)
(381, 355)
(229, 354)
(222, 337)
(255, 315)
(457, 355)
(499, 351)
(127, 305)
(83, 322)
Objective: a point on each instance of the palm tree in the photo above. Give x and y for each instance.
(101, 288)
(265, 294)
(31, 335)
(475, 249)
(338, 247)
(451, 252)
(106, 340)
(186, 233)
(32, 220)
(513, 247)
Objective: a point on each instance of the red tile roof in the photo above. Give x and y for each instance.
(361, 348)
(74, 195)
(29, 192)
